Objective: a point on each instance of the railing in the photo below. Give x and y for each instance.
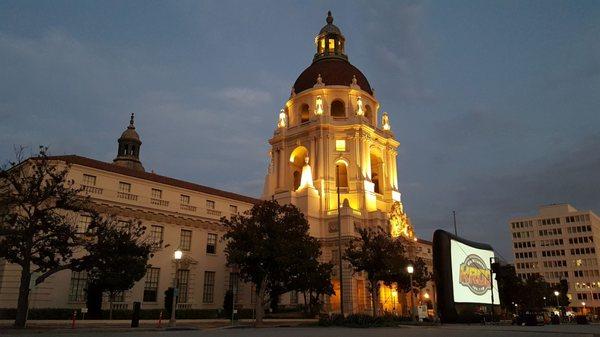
(159, 202)
(213, 212)
(92, 189)
(119, 306)
(187, 207)
(128, 196)
(184, 305)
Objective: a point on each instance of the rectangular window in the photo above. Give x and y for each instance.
(151, 285)
(156, 193)
(78, 286)
(209, 287)
(83, 223)
(89, 180)
(233, 209)
(340, 145)
(210, 204)
(156, 235)
(211, 243)
(124, 187)
(185, 242)
(183, 276)
(185, 199)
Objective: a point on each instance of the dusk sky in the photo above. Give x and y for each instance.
(496, 104)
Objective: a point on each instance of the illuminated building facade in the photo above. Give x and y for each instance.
(329, 135)
(561, 243)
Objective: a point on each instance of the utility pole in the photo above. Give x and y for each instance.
(337, 173)
(454, 216)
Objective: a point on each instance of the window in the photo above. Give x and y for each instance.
(211, 243)
(185, 199)
(337, 109)
(340, 145)
(341, 175)
(209, 287)
(83, 223)
(156, 235)
(124, 187)
(185, 241)
(151, 285)
(233, 209)
(156, 193)
(183, 276)
(89, 180)
(304, 114)
(331, 43)
(293, 298)
(210, 204)
(78, 286)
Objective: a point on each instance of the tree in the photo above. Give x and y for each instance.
(267, 244)
(376, 253)
(510, 287)
(563, 288)
(117, 256)
(39, 204)
(313, 279)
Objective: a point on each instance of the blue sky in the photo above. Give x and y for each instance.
(496, 103)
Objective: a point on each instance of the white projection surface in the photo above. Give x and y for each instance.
(471, 274)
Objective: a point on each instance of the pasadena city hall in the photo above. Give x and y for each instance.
(330, 136)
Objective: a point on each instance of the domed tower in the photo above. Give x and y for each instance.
(330, 137)
(129, 148)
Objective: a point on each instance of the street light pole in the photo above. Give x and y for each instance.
(411, 270)
(556, 293)
(177, 255)
(339, 218)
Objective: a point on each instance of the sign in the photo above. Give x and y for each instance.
(471, 274)
(422, 311)
(84, 310)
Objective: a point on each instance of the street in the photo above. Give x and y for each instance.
(404, 331)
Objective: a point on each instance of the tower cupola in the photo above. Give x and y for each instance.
(330, 41)
(129, 148)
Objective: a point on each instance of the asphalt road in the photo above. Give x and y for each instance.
(405, 331)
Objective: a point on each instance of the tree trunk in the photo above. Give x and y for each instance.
(23, 303)
(374, 296)
(258, 306)
(110, 307)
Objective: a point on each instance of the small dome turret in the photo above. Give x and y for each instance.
(129, 148)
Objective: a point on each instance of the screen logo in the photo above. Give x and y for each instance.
(475, 275)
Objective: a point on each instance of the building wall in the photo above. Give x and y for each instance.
(560, 242)
(168, 212)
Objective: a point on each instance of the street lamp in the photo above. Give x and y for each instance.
(583, 303)
(177, 256)
(545, 301)
(410, 269)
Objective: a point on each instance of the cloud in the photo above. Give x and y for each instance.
(245, 96)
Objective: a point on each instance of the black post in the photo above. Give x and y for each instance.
(135, 317)
(337, 173)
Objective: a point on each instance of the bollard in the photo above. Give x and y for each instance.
(74, 318)
(159, 320)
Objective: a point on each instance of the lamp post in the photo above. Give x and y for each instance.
(556, 293)
(410, 269)
(583, 303)
(177, 256)
(545, 302)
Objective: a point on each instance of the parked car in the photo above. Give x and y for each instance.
(529, 318)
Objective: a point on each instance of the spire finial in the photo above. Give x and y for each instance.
(131, 120)
(329, 18)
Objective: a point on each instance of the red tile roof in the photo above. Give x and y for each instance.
(83, 161)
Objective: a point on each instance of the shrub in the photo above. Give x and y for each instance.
(362, 321)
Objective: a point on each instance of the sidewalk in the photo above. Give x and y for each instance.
(120, 325)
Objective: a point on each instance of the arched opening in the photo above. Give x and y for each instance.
(304, 114)
(341, 178)
(296, 163)
(376, 172)
(369, 114)
(337, 109)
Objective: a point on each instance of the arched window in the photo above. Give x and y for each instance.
(341, 178)
(296, 163)
(369, 114)
(304, 114)
(376, 172)
(337, 109)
